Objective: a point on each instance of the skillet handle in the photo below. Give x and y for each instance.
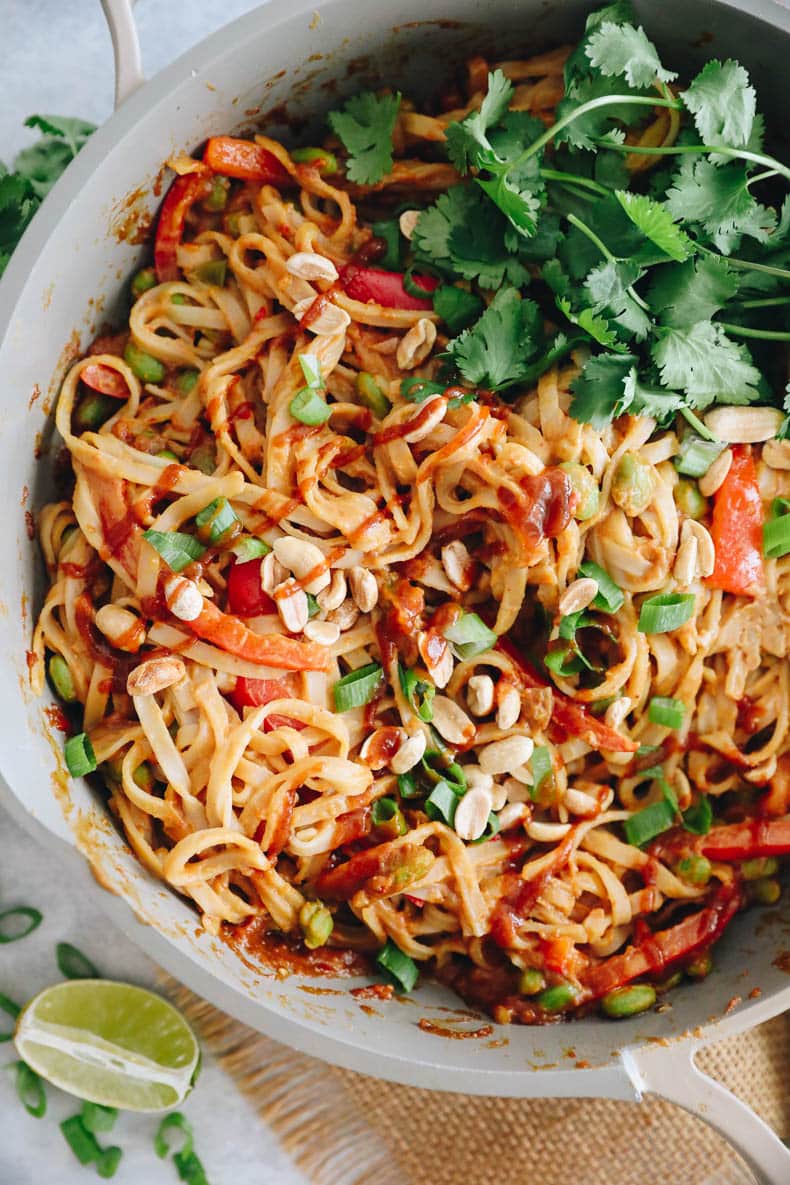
(671, 1073)
(126, 47)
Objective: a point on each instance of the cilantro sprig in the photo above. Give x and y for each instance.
(35, 171)
(365, 127)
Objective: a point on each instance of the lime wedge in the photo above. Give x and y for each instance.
(109, 1043)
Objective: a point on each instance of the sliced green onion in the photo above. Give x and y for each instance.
(325, 161)
(178, 1122)
(407, 786)
(389, 231)
(418, 692)
(649, 822)
(311, 369)
(313, 608)
(403, 970)
(142, 281)
(12, 928)
(73, 964)
(30, 1090)
(452, 774)
(387, 816)
(666, 612)
(610, 597)
(696, 455)
(60, 677)
(491, 829)
(215, 520)
(108, 1160)
(167, 454)
(666, 711)
(147, 368)
(776, 529)
(190, 1168)
(456, 307)
(317, 924)
(82, 1142)
(250, 548)
(80, 758)
(417, 390)
(358, 687)
(541, 765)
(11, 1009)
(371, 395)
(441, 804)
(470, 636)
(698, 817)
(176, 548)
(97, 1118)
(218, 196)
(308, 407)
(187, 380)
(213, 271)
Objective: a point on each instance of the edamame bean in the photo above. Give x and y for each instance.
(689, 500)
(147, 368)
(317, 924)
(62, 681)
(557, 997)
(531, 981)
(629, 1001)
(585, 488)
(632, 485)
(142, 281)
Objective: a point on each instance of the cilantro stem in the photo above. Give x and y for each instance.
(765, 303)
(756, 158)
(769, 335)
(593, 237)
(746, 265)
(697, 424)
(590, 105)
(766, 173)
(575, 180)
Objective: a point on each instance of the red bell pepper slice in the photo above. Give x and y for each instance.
(567, 715)
(737, 529)
(246, 598)
(105, 380)
(660, 950)
(245, 160)
(368, 284)
(269, 650)
(181, 196)
(747, 840)
(254, 693)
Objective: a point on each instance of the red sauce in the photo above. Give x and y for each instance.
(382, 747)
(245, 411)
(373, 991)
(372, 251)
(318, 306)
(168, 480)
(751, 715)
(542, 510)
(355, 536)
(398, 431)
(57, 718)
(400, 622)
(260, 947)
(351, 827)
(430, 1026)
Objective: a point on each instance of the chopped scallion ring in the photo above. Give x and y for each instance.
(311, 369)
(666, 612)
(659, 816)
(97, 1118)
(308, 407)
(610, 597)
(30, 1090)
(73, 964)
(698, 817)
(441, 804)
(80, 758)
(175, 1120)
(666, 711)
(407, 786)
(215, 520)
(399, 966)
(418, 692)
(11, 1009)
(776, 530)
(696, 455)
(250, 548)
(82, 1142)
(18, 922)
(357, 688)
(176, 548)
(470, 636)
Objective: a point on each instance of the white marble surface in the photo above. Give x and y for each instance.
(55, 57)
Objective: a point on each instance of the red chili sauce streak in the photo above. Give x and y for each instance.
(543, 509)
(398, 431)
(430, 1026)
(319, 304)
(57, 718)
(373, 991)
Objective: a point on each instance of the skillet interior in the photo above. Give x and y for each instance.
(63, 283)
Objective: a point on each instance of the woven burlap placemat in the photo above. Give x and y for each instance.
(343, 1128)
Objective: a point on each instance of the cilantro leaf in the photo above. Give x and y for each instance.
(684, 293)
(621, 49)
(784, 427)
(607, 289)
(599, 394)
(365, 127)
(468, 145)
(497, 350)
(656, 223)
(462, 234)
(723, 104)
(520, 207)
(716, 197)
(18, 204)
(641, 399)
(74, 132)
(587, 129)
(578, 63)
(456, 307)
(706, 364)
(587, 319)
